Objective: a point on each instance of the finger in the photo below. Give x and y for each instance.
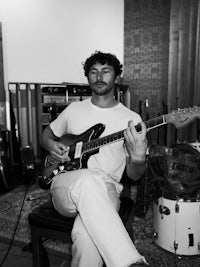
(66, 153)
(62, 146)
(142, 132)
(143, 129)
(132, 132)
(131, 126)
(55, 155)
(63, 150)
(128, 135)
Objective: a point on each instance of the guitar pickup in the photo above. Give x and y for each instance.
(78, 150)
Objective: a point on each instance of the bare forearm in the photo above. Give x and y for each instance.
(47, 138)
(135, 169)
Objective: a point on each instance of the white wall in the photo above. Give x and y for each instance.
(47, 40)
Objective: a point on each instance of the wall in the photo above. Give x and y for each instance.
(146, 53)
(47, 40)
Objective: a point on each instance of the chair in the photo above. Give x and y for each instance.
(47, 223)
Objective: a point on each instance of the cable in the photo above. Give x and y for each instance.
(15, 229)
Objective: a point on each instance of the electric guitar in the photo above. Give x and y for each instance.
(81, 147)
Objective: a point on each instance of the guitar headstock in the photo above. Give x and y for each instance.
(183, 117)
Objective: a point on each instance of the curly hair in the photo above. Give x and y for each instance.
(102, 58)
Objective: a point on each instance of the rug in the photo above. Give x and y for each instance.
(10, 205)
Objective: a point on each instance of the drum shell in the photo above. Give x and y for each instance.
(176, 226)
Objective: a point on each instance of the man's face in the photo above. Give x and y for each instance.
(102, 79)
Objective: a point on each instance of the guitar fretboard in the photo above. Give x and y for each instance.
(153, 123)
(97, 143)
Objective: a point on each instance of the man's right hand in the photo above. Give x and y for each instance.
(56, 149)
(59, 151)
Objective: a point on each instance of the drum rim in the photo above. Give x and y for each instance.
(179, 199)
(186, 148)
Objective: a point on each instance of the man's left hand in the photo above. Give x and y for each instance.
(136, 142)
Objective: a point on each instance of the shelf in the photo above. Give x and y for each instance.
(35, 105)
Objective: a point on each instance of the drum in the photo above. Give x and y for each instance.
(176, 225)
(175, 171)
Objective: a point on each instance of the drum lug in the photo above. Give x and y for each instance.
(175, 245)
(155, 235)
(164, 210)
(177, 208)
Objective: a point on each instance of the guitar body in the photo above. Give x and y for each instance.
(78, 158)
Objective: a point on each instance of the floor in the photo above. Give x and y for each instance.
(20, 257)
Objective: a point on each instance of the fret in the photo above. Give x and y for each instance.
(105, 141)
(101, 142)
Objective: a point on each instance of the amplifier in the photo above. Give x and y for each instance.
(28, 164)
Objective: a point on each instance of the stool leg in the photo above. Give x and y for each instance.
(39, 254)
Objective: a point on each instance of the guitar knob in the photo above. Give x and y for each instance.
(61, 167)
(55, 172)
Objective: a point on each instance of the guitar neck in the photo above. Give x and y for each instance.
(97, 143)
(154, 123)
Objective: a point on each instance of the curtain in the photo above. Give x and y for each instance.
(184, 68)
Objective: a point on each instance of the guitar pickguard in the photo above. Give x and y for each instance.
(53, 167)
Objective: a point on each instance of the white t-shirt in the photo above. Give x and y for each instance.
(80, 116)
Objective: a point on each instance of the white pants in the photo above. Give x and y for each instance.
(98, 232)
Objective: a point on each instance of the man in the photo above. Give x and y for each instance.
(92, 194)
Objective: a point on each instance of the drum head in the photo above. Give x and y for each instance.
(176, 171)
